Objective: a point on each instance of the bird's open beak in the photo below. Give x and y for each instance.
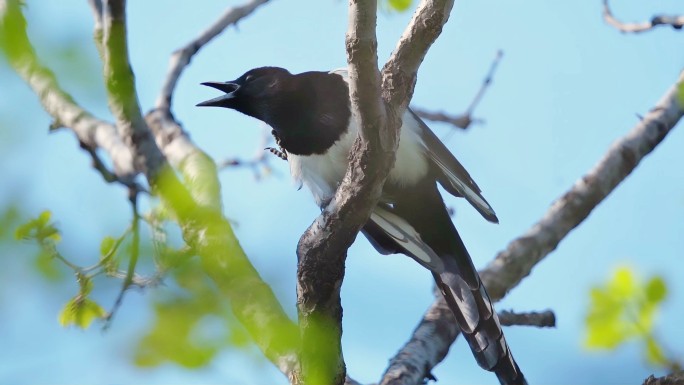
(222, 101)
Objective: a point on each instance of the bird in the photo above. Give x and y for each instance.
(314, 126)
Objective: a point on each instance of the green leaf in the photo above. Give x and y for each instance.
(654, 353)
(106, 246)
(44, 218)
(680, 94)
(24, 230)
(47, 267)
(171, 337)
(400, 5)
(623, 284)
(656, 290)
(80, 312)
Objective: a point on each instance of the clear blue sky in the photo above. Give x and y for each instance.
(568, 86)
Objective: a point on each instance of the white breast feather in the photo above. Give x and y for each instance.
(323, 173)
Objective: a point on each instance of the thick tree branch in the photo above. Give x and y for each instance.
(122, 95)
(400, 72)
(322, 248)
(676, 22)
(198, 207)
(436, 331)
(181, 57)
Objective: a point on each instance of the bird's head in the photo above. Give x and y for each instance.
(254, 93)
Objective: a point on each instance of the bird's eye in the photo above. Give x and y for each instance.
(249, 78)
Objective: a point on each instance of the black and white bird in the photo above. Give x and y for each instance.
(312, 122)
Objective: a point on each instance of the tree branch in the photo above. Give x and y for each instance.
(676, 378)
(198, 207)
(181, 57)
(544, 319)
(400, 72)
(122, 95)
(465, 119)
(515, 262)
(676, 22)
(436, 331)
(322, 248)
(91, 132)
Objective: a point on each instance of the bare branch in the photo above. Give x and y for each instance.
(676, 378)
(465, 119)
(544, 319)
(122, 94)
(259, 163)
(92, 133)
(676, 22)
(436, 331)
(513, 264)
(400, 71)
(181, 57)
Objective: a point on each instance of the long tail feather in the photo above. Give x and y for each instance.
(478, 321)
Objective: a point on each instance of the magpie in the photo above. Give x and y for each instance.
(314, 126)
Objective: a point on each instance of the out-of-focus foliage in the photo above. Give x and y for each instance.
(46, 235)
(623, 310)
(192, 323)
(399, 5)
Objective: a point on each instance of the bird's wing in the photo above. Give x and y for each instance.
(383, 223)
(451, 174)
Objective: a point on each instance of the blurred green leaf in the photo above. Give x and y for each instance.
(680, 94)
(623, 284)
(80, 312)
(625, 309)
(8, 219)
(46, 266)
(400, 5)
(170, 339)
(106, 246)
(656, 290)
(654, 353)
(39, 229)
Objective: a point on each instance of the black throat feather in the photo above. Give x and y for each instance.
(312, 114)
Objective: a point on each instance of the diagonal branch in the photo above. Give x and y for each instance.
(92, 133)
(436, 331)
(676, 22)
(181, 57)
(400, 72)
(196, 207)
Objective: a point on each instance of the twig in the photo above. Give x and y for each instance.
(181, 57)
(544, 319)
(676, 21)
(436, 331)
(108, 176)
(465, 119)
(259, 162)
(132, 262)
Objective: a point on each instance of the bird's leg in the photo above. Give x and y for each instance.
(280, 151)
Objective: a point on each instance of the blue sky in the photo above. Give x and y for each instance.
(568, 86)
